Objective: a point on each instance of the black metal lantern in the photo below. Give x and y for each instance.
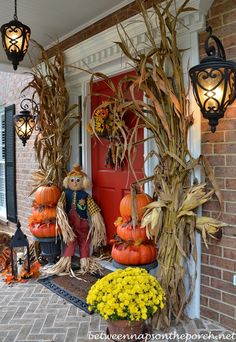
(25, 121)
(18, 244)
(15, 39)
(213, 81)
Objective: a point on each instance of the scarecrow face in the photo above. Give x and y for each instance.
(75, 183)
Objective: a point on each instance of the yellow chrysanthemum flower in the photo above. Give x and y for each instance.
(131, 294)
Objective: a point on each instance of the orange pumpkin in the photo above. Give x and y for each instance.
(126, 232)
(134, 254)
(126, 205)
(44, 230)
(47, 195)
(42, 215)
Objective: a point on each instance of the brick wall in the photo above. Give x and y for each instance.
(12, 84)
(218, 295)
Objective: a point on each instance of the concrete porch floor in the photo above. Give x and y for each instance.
(29, 312)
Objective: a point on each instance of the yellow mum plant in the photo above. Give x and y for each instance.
(131, 294)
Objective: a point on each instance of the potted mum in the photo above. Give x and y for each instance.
(126, 298)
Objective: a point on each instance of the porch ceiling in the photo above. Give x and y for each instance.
(51, 20)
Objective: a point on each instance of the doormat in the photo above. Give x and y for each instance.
(71, 289)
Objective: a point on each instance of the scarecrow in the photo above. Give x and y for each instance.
(81, 223)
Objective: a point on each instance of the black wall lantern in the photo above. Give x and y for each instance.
(25, 121)
(18, 244)
(15, 39)
(213, 81)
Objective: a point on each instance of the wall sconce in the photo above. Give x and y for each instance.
(18, 244)
(25, 121)
(15, 39)
(213, 81)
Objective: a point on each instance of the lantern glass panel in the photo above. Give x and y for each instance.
(214, 89)
(19, 261)
(24, 126)
(14, 39)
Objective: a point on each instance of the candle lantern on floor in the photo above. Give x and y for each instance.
(19, 249)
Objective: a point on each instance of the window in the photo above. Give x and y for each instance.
(2, 165)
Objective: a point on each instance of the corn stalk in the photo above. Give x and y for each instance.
(56, 118)
(172, 219)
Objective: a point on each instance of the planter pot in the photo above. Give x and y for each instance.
(50, 248)
(123, 330)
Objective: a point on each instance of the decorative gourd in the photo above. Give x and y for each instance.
(134, 254)
(47, 195)
(42, 215)
(126, 232)
(44, 230)
(126, 205)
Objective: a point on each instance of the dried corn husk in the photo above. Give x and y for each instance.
(56, 118)
(208, 226)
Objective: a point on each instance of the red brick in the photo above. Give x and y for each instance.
(228, 276)
(230, 231)
(225, 30)
(230, 17)
(221, 307)
(229, 41)
(212, 206)
(205, 258)
(207, 148)
(211, 271)
(230, 114)
(216, 160)
(224, 148)
(230, 136)
(230, 253)
(228, 322)
(231, 160)
(228, 219)
(216, 137)
(210, 292)
(205, 280)
(227, 171)
(204, 301)
(228, 242)
(223, 285)
(208, 313)
(216, 21)
(221, 7)
(231, 207)
(229, 195)
(228, 298)
(231, 184)
(230, 52)
(212, 249)
(205, 125)
(222, 263)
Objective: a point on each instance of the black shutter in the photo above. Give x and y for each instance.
(10, 164)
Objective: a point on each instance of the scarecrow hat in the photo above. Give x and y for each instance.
(76, 171)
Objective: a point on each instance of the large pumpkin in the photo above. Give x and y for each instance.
(47, 195)
(44, 230)
(126, 205)
(42, 215)
(134, 254)
(126, 232)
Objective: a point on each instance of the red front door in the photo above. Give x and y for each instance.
(109, 185)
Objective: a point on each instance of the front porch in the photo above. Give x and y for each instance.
(32, 313)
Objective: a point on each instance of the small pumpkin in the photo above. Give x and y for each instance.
(126, 232)
(44, 230)
(42, 215)
(47, 195)
(133, 253)
(126, 205)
